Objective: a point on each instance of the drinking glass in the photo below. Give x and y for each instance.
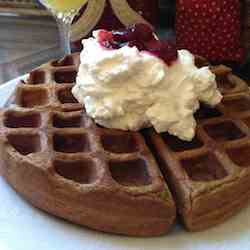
(64, 12)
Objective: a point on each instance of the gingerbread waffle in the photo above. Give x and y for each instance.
(61, 162)
(210, 176)
(110, 180)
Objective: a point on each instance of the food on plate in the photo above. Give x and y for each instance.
(125, 182)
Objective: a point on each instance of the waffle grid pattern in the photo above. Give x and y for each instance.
(222, 128)
(46, 122)
(202, 169)
(72, 138)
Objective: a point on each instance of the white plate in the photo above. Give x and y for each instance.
(23, 227)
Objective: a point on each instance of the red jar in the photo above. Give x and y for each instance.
(110, 16)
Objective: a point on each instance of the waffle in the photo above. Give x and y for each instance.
(58, 159)
(61, 162)
(209, 177)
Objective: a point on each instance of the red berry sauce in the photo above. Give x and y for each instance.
(141, 36)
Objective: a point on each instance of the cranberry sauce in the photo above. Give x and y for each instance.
(141, 36)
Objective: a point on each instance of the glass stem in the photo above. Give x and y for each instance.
(64, 32)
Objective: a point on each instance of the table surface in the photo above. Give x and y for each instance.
(25, 43)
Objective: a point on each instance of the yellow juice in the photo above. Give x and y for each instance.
(64, 6)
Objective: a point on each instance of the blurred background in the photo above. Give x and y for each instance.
(29, 35)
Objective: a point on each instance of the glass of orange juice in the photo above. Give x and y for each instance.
(64, 11)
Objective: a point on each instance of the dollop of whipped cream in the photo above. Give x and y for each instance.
(130, 89)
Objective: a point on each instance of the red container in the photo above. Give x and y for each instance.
(113, 14)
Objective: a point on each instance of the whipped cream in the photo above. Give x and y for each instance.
(129, 90)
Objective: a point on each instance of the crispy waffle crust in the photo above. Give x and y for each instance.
(110, 180)
(61, 162)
